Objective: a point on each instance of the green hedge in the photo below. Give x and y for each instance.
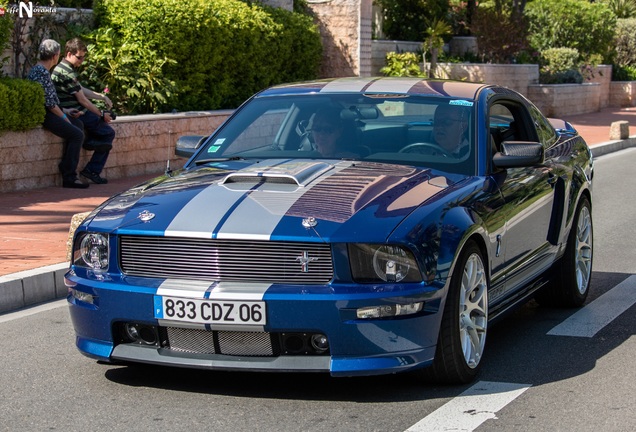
(588, 27)
(209, 54)
(21, 104)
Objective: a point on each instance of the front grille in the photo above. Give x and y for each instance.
(220, 342)
(226, 260)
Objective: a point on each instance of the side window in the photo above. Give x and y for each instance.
(545, 131)
(502, 126)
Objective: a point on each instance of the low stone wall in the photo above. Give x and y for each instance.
(556, 100)
(514, 76)
(622, 93)
(144, 144)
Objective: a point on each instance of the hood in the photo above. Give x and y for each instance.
(273, 200)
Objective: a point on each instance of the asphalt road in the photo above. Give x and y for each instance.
(545, 370)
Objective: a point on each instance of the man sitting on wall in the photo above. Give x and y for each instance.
(99, 135)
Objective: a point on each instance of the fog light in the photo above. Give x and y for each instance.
(140, 333)
(319, 342)
(388, 311)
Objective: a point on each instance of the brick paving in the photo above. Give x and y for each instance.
(34, 224)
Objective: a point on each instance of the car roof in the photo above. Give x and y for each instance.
(381, 85)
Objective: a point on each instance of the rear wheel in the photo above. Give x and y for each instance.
(571, 282)
(462, 336)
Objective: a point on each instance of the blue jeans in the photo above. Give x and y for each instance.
(73, 138)
(99, 137)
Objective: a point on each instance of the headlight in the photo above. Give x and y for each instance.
(373, 263)
(91, 250)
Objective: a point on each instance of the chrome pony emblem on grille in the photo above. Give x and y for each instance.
(310, 222)
(146, 216)
(304, 261)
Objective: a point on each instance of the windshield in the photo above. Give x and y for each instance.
(400, 129)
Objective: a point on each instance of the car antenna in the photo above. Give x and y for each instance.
(168, 169)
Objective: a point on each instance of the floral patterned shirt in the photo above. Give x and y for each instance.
(39, 74)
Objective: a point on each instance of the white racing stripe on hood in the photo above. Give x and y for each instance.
(199, 217)
(249, 215)
(257, 216)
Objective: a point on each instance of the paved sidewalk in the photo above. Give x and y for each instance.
(34, 224)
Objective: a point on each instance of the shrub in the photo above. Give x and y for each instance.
(624, 73)
(21, 104)
(588, 27)
(407, 19)
(402, 65)
(622, 8)
(559, 59)
(560, 66)
(571, 76)
(6, 25)
(501, 36)
(131, 71)
(217, 52)
(625, 42)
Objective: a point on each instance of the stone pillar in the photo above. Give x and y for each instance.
(345, 27)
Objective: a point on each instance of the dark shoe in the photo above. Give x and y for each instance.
(94, 177)
(75, 184)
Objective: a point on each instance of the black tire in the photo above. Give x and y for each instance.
(572, 273)
(462, 335)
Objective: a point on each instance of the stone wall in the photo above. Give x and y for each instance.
(622, 93)
(514, 76)
(602, 74)
(556, 100)
(144, 144)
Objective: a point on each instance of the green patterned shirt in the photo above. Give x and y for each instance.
(66, 84)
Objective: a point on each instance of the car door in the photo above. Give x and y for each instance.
(528, 196)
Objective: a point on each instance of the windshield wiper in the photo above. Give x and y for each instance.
(220, 159)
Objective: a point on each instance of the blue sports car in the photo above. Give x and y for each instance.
(353, 226)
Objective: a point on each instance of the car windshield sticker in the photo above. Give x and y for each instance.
(461, 103)
(214, 149)
(219, 141)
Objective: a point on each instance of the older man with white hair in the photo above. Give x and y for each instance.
(63, 122)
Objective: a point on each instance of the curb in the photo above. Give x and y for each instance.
(613, 146)
(43, 284)
(30, 287)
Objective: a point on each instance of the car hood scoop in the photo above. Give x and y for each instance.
(299, 173)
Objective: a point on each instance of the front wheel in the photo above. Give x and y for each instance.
(571, 281)
(462, 336)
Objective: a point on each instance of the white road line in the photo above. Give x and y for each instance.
(470, 409)
(32, 310)
(602, 311)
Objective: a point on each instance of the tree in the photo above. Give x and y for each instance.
(407, 19)
(434, 41)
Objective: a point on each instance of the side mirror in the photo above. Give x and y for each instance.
(518, 154)
(187, 145)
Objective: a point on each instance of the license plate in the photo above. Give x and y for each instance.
(203, 311)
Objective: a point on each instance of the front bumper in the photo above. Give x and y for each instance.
(356, 346)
